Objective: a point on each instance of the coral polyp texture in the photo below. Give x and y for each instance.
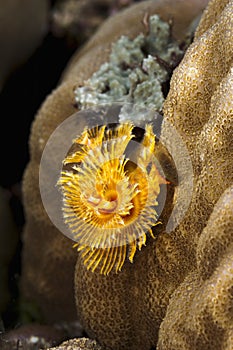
(205, 298)
(177, 294)
(45, 250)
(109, 201)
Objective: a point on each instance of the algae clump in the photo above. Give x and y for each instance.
(136, 74)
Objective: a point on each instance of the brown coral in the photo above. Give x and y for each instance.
(190, 268)
(46, 251)
(200, 312)
(199, 104)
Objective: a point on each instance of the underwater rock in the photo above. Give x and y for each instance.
(31, 337)
(78, 344)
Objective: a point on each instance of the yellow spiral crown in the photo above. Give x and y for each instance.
(109, 202)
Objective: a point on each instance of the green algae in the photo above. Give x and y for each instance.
(135, 73)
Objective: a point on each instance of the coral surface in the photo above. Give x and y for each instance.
(178, 292)
(46, 251)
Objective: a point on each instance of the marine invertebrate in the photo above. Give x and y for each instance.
(199, 104)
(109, 201)
(178, 268)
(199, 315)
(45, 249)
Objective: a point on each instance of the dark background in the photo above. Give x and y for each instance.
(22, 95)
